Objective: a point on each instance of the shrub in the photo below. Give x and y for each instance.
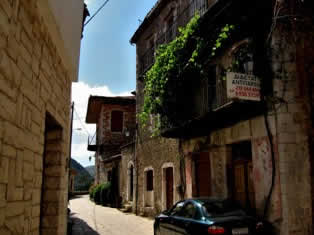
(105, 194)
(91, 192)
(101, 193)
(97, 194)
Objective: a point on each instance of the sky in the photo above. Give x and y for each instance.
(107, 62)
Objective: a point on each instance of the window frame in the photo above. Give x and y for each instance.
(116, 130)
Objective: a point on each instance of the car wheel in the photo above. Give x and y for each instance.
(156, 231)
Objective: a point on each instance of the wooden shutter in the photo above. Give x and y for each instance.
(116, 121)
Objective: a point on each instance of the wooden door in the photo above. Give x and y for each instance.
(243, 185)
(239, 184)
(169, 187)
(202, 175)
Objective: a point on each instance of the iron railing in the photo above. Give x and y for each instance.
(92, 140)
(163, 37)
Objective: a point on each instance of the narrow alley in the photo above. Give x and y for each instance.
(91, 219)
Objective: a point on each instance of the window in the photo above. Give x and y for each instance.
(189, 211)
(116, 121)
(109, 176)
(149, 181)
(177, 209)
(222, 208)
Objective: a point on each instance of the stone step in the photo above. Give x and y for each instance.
(127, 207)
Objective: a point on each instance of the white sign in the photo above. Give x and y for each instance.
(243, 86)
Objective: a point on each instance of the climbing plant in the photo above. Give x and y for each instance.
(173, 59)
(168, 61)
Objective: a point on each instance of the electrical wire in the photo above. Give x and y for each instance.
(79, 118)
(99, 9)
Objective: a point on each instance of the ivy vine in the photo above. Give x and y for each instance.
(174, 58)
(168, 61)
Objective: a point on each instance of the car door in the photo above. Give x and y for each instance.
(167, 226)
(188, 222)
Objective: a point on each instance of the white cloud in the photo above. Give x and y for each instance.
(80, 94)
(89, 1)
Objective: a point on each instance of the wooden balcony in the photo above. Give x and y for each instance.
(206, 107)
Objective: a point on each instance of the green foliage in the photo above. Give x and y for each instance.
(172, 60)
(101, 193)
(169, 62)
(223, 36)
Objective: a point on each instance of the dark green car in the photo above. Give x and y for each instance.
(206, 216)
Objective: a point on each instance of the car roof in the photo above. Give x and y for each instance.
(207, 199)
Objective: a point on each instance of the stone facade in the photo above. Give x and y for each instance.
(289, 141)
(155, 154)
(35, 96)
(291, 127)
(111, 162)
(128, 174)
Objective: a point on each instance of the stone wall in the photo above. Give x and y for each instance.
(154, 153)
(34, 84)
(219, 143)
(128, 161)
(112, 141)
(293, 131)
(106, 136)
(291, 127)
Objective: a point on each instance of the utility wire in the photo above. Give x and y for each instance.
(81, 122)
(99, 9)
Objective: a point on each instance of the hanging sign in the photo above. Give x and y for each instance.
(243, 86)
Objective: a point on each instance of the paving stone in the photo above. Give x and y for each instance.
(91, 219)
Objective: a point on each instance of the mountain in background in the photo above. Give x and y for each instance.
(83, 179)
(91, 170)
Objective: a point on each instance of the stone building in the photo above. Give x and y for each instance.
(39, 56)
(158, 161)
(245, 131)
(113, 141)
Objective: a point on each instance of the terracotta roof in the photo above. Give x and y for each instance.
(95, 103)
(148, 19)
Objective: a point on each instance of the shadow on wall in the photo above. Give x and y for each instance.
(77, 226)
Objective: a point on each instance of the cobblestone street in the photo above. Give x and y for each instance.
(91, 219)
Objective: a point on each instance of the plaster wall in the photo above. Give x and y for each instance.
(65, 19)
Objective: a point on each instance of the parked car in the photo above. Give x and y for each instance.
(207, 216)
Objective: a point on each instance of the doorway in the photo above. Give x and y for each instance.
(54, 170)
(240, 173)
(202, 173)
(169, 187)
(131, 175)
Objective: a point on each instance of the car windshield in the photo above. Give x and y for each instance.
(221, 209)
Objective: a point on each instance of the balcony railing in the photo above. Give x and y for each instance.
(206, 107)
(92, 143)
(164, 37)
